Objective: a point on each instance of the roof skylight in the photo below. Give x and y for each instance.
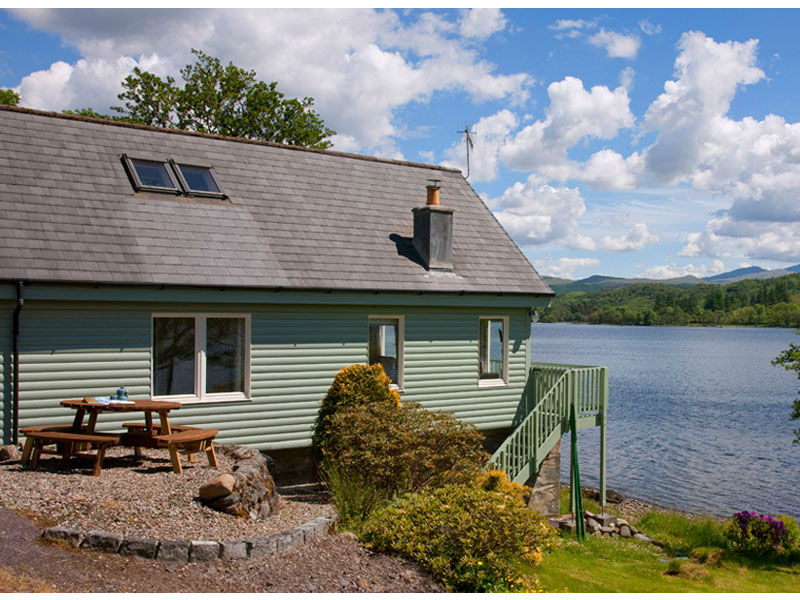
(151, 175)
(171, 177)
(197, 180)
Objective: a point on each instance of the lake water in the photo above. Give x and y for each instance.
(698, 418)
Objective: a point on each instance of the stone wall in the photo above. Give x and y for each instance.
(546, 484)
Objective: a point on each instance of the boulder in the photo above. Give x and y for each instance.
(612, 497)
(10, 452)
(247, 491)
(222, 485)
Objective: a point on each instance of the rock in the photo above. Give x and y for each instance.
(349, 535)
(137, 546)
(173, 550)
(252, 493)
(263, 545)
(9, 452)
(203, 551)
(567, 525)
(102, 540)
(232, 550)
(314, 529)
(625, 531)
(73, 537)
(643, 537)
(612, 497)
(284, 541)
(608, 530)
(222, 485)
(606, 520)
(592, 526)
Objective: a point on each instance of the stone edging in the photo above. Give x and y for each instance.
(193, 550)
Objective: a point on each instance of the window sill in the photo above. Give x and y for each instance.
(490, 383)
(208, 399)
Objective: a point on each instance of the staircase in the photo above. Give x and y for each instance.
(549, 393)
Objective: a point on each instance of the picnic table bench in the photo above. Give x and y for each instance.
(189, 442)
(36, 441)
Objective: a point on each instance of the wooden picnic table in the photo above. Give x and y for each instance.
(94, 408)
(71, 440)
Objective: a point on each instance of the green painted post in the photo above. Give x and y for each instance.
(603, 422)
(572, 502)
(576, 474)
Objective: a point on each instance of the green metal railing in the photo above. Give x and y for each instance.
(552, 389)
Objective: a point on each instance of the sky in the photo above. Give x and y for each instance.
(623, 142)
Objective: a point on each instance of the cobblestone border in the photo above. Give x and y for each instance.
(193, 550)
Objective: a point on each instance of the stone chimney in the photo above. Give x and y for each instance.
(433, 232)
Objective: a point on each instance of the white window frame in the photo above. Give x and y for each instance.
(401, 336)
(503, 381)
(200, 394)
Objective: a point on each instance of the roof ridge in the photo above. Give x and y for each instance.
(58, 115)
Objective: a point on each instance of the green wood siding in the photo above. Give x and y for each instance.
(76, 349)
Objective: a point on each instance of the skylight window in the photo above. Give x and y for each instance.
(151, 175)
(171, 177)
(197, 180)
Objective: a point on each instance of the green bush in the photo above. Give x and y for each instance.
(354, 495)
(352, 386)
(400, 449)
(468, 537)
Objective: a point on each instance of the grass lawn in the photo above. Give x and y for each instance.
(627, 565)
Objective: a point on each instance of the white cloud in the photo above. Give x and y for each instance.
(481, 22)
(566, 267)
(753, 163)
(535, 213)
(636, 239)
(361, 66)
(649, 28)
(562, 24)
(672, 270)
(490, 134)
(574, 114)
(616, 45)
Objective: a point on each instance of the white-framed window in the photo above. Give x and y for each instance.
(200, 357)
(385, 346)
(492, 351)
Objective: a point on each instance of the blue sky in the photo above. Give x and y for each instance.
(627, 142)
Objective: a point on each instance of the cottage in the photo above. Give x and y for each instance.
(238, 276)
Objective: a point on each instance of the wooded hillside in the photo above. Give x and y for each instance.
(767, 303)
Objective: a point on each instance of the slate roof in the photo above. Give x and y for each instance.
(295, 218)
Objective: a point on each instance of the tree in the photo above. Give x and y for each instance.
(789, 359)
(224, 100)
(9, 97)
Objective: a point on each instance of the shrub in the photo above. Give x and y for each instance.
(352, 386)
(402, 449)
(468, 537)
(497, 481)
(755, 533)
(354, 495)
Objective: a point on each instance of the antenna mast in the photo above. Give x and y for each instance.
(468, 133)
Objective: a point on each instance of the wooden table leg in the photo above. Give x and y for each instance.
(98, 461)
(212, 458)
(78, 420)
(175, 459)
(26, 450)
(164, 419)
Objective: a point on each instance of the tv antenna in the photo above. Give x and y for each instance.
(468, 133)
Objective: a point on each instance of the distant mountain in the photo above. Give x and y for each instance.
(606, 282)
(735, 273)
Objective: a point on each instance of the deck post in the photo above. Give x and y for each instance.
(603, 420)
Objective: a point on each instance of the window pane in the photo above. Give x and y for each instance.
(199, 179)
(491, 348)
(173, 356)
(383, 347)
(153, 174)
(225, 355)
